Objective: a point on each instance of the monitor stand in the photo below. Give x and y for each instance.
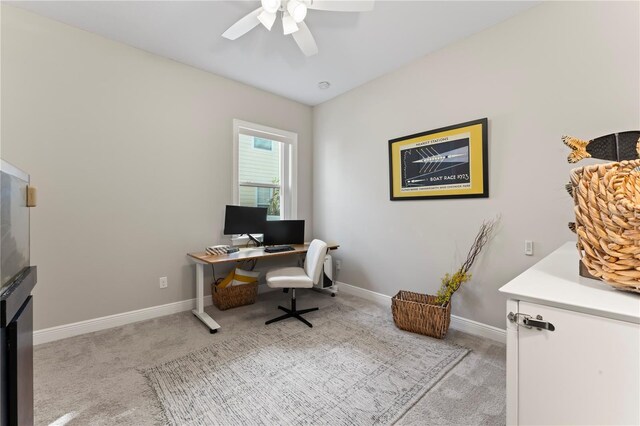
(252, 238)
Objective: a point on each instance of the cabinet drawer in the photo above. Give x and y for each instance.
(586, 371)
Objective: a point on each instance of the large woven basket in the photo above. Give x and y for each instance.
(234, 295)
(607, 208)
(418, 313)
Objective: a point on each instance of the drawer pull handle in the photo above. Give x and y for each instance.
(539, 324)
(530, 322)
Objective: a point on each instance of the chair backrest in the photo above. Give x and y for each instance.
(315, 259)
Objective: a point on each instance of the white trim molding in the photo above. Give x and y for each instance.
(47, 335)
(51, 334)
(478, 329)
(457, 323)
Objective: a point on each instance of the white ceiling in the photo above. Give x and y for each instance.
(354, 47)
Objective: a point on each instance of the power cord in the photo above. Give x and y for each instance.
(213, 272)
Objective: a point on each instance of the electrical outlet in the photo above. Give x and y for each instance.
(163, 282)
(528, 247)
(338, 264)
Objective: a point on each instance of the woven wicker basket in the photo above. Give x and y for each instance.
(607, 208)
(234, 295)
(418, 313)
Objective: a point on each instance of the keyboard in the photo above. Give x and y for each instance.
(277, 249)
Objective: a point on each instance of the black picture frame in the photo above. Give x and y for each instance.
(472, 137)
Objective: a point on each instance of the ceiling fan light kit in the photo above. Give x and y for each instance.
(267, 19)
(297, 10)
(271, 6)
(289, 25)
(293, 14)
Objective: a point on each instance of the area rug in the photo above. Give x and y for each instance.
(351, 368)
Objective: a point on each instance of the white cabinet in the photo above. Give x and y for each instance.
(585, 371)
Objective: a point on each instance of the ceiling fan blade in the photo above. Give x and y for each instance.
(305, 40)
(243, 26)
(342, 5)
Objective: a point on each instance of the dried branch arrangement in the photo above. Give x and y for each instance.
(452, 282)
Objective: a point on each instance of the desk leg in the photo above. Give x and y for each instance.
(199, 311)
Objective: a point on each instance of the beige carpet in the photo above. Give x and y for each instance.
(351, 368)
(95, 379)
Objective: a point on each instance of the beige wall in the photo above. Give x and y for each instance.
(132, 157)
(560, 68)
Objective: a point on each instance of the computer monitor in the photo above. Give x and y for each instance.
(245, 220)
(284, 232)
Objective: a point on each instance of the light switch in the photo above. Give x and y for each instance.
(528, 247)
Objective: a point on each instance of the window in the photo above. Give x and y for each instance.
(260, 143)
(265, 168)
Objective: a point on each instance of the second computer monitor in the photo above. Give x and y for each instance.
(284, 232)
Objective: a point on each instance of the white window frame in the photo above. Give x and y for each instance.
(288, 163)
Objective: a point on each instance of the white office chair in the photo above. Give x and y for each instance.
(292, 278)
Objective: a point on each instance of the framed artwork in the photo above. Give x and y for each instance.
(451, 162)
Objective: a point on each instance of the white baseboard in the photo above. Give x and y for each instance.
(478, 329)
(89, 326)
(457, 323)
(97, 324)
(379, 298)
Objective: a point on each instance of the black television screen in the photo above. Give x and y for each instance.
(284, 232)
(245, 220)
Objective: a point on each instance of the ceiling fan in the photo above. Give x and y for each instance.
(293, 13)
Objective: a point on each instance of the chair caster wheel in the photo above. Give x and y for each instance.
(333, 295)
(213, 331)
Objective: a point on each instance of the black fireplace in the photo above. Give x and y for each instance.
(17, 279)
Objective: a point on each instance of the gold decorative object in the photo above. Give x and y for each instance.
(614, 147)
(578, 148)
(607, 208)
